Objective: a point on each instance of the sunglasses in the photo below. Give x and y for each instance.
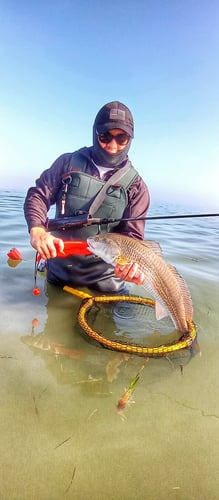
(121, 139)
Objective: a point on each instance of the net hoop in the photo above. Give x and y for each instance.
(184, 342)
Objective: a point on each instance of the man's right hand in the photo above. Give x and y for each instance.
(43, 242)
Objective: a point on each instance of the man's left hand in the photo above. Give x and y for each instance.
(130, 272)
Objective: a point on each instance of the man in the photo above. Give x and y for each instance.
(73, 183)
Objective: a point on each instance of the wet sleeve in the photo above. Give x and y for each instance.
(40, 197)
(138, 204)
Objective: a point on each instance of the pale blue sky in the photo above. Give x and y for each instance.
(61, 60)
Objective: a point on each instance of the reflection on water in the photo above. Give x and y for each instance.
(61, 433)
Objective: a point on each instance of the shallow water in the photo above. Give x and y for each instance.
(61, 433)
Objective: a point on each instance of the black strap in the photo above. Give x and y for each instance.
(98, 200)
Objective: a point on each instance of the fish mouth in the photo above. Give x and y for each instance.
(100, 248)
(90, 244)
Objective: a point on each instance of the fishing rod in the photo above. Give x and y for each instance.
(85, 220)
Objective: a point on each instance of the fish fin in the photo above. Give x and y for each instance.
(152, 245)
(185, 291)
(160, 311)
(122, 261)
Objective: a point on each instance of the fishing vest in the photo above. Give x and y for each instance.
(78, 191)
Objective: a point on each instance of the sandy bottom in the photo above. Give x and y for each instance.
(61, 433)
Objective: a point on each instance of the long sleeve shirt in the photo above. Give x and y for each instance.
(44, 194)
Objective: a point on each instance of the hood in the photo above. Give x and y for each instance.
(112, 115)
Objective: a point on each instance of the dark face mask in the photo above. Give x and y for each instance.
(104, 159)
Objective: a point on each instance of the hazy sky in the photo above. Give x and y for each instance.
(61, 60)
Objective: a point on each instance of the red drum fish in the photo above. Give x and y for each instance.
(169, 289)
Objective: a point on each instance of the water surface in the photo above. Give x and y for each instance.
(61, 434)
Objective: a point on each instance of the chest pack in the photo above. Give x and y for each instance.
(80, 193)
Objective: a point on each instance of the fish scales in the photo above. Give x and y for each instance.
(161, 279)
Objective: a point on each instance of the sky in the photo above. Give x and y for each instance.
(62, 60)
